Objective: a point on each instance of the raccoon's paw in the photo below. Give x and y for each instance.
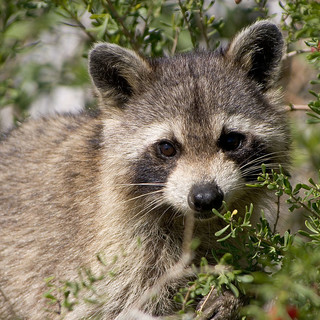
(219, 306)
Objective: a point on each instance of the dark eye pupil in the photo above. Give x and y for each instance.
(231, 141)
(167, 149)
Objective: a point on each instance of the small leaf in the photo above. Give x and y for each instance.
(97, 16)
(247, 278)
(234, 289)
(50, 296)
(310, 227)
(220, 232)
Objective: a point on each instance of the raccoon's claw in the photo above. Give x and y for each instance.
(217, 306)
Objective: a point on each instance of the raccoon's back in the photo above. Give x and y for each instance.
(48, 177)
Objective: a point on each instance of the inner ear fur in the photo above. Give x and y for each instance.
(258, 50)
(116, 72)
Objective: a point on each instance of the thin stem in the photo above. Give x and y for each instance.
(304, 206)
(187, 237)
(175, 40)
(120, 21)
(300, 107)
(278, 214)
(203, 26)
(294, 53)
(79, 23)
(207, 298)
(178, 270)
(183, 11)
(186, 298)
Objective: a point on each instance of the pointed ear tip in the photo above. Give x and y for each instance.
(262, 32)
(102, 51)
(267, 26)
(101, 46)
(97, 47)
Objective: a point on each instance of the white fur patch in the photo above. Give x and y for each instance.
(224, 172)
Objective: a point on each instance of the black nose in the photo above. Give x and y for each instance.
(205, 197)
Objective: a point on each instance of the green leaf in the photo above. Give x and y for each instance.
(223, 230)
(50, 296)
(248, 278)
(217, 213)
(234, 289)
(311, 227)
(98, 16)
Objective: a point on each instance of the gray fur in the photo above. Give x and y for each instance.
(75, 186)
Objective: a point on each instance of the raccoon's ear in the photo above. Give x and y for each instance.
(258, 50)
(116, 72)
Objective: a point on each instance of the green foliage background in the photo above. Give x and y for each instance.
(282, 269)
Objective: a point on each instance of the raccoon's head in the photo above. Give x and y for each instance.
(194, 129)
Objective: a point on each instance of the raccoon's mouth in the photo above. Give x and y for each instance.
(205, 215)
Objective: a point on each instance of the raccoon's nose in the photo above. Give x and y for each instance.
(205, 197)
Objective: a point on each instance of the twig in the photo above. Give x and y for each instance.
(299, 107)
(185, 300)
(175, 41)
(203, 27)
(187, 236)
(294, 53)
(79, 23)
(278, 214)
(183, 11)
(177, 271)
(207, 298)
(304, 206)
(119, 19)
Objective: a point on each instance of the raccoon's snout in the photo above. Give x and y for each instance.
(205, 197)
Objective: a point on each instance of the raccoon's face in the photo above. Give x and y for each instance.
(200, 156)
(197, 127)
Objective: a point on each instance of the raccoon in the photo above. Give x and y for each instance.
(173, 137)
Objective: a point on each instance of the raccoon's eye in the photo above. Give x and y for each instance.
(166, 149)
(231, 141)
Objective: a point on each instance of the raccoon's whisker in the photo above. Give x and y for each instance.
(141, 212)
(152, 184)
(279, 152)
(265, 157)
(146, 210)
(239, 198)
(256, 165)
(136, 207)
(165, 211)
(155, 203)
(176, 214)
(269, 154)
(251, 158)
(256, 170)
(239, 186)
(141, 196)
(179, 214)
